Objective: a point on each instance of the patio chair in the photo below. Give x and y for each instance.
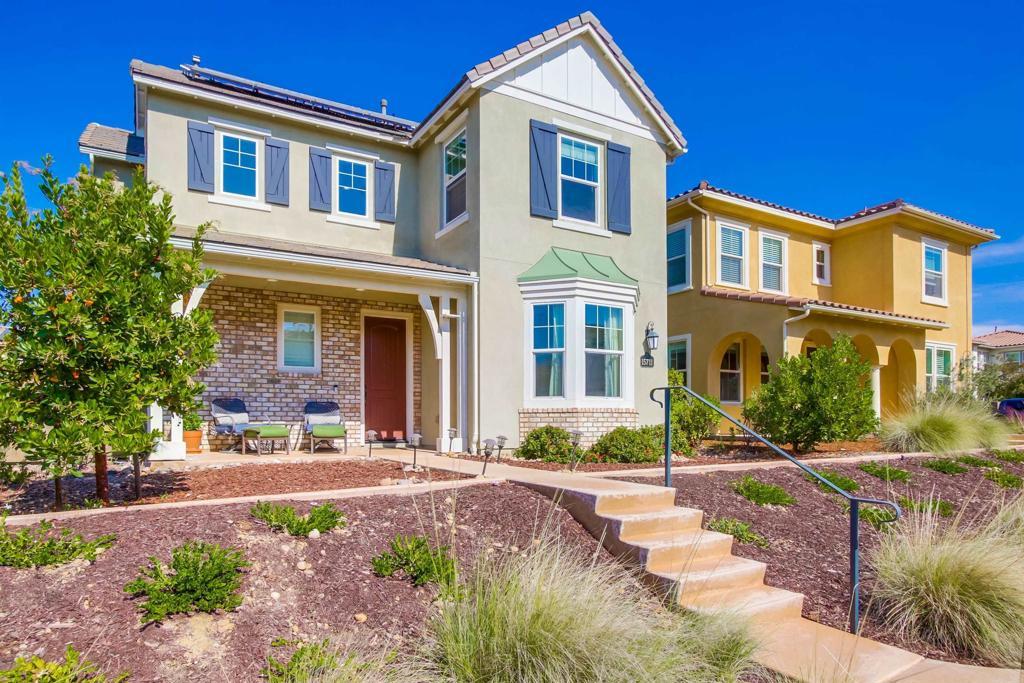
(231, 417)
(323, 423)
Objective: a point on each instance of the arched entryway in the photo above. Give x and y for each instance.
(815, 339)
(869, 352)
(898, 379)
(736, 368)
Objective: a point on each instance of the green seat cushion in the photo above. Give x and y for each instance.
(329, 431)
(267, 432)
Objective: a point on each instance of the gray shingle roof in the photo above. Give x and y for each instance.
(108, 139)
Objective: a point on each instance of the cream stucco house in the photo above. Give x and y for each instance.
(487, 269)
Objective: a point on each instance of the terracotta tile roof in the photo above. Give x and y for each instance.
(800, 302)
(1000, 339)
(705, 186)
(110, 139)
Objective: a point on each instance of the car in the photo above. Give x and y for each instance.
(1012, 409)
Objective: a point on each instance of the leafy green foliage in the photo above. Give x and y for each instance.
(944, 465)
(1007, 480)
(421, 563)
(548, 443)
(88, 285)
(191, 421)
(692, 421)
(202, 577)
(40, 546)
(327, 662)
(975, 461)
(941, 507)
(761, 493)
(72, 669)
(14, 475)
(323, 518)
(884, 471)
(945, 422)
(878, 517)
(1009, 455)
(307, 660)
(842, 481)
(622, 444)
(741, 531)
(818, 399)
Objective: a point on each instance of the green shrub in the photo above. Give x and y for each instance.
(191, 421)
(841, 480)
(623, 444)
(548, 443)
(879, 517)
(944, 465)
(944, 422)
(556, 615)
(202, 577)
(941, 507)
(760, 493)
(957, 588)
(975, 461)
(422, 564)
(73, 669)
(328, 662)
(884, 471)
(741, 531)
(39, 547)
(1007, 480)
(14, 475)
(692, 421)
(818, 399)
(323, 518)
(1010, 455)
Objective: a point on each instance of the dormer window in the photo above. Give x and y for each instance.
(239, 164)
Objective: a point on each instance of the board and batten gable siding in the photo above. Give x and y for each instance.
(167, 132)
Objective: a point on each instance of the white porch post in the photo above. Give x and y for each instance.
(876, 390)
(444, 380)
(463, 375)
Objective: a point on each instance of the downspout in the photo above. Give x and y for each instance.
(704, 236)
(475, 296)
(785, 326)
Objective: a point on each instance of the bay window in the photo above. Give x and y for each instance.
(603, 356)
(549, 350)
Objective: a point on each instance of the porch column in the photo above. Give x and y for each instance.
(463, 375)
(876, 390)
(174, 449)
(444, 380)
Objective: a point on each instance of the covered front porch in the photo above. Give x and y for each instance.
(385, 338)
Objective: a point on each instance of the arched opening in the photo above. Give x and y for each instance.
(815, 339)
(898, 379)
(869, 352)
(736, 368)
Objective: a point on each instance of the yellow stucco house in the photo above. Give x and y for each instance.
(750, 280)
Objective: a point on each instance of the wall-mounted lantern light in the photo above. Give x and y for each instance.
(650, 338)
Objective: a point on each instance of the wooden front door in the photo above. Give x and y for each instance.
(384, 354)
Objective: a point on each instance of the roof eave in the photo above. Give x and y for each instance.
(110, 154)
(754, 206)
(984, 235)
(892, 319)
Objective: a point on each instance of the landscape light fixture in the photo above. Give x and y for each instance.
(577, 437)
(501, 444)
(371, 436)
(488, 452)
(452, 433)
(415, 441)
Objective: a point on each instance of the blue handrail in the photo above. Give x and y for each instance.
(854, 501)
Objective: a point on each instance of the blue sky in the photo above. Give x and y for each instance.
(823, 106)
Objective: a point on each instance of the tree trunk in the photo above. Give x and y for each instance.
(102, 479)
(137, 471)
(58, 494)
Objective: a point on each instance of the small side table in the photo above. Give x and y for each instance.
(266, 434)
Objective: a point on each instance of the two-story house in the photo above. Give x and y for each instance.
(479, 272)
(750, 281)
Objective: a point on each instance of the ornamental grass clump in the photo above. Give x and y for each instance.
(761, 493)
(554, 614)
(352, 661)
(322, 518)
(945, 422)
(413, 556)
(956, 586)
(72, 669)
(41, 546)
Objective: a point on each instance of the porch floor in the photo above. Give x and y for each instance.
(228, 458)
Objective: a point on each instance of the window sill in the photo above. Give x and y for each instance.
(581, 227)
(353, 222)
(732, 285)
(451, 225)
(676, 289)
(776, 292)
(934, 302)
(821, 283)
(305, 372)
(587, 403)
(240, 203)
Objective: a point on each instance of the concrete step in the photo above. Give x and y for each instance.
(634, 502)
(719, 573)
(675, 550)
(758, 603)
(639, 526)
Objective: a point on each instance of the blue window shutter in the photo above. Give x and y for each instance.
(276, 171)
(200, 156)
(619, 207)
(319, 179)
(384, 191)
(543, 169)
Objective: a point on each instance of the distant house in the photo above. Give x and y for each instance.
(487, 269)
(750, 280)
(1003, 346)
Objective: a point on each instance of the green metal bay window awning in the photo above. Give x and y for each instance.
(560, 264)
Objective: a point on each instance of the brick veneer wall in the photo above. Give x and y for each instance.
(246, 367)
(592, 422)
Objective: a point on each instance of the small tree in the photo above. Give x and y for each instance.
(823, 398)
(91, 341)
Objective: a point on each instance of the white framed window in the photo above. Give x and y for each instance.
(352, 200)
(938, 366)
(933, 271)
(549, 350)
(579, 185)
(774, 246)
(603, 350)
(732, 254)
(679, 355)
(730, 375)
(298, 338)
(822, 265)
(453, 156)
(678, 250)
(239, 166)
(766, 366)
(1013, 357)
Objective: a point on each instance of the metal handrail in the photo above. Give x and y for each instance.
(854, 501)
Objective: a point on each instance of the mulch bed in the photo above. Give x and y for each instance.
(216, 482)
(82, 604)
(809, 541)
(560, 466)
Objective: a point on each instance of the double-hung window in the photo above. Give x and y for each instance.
(773, 262)
(239, 157)
(934, 271)
(766, 367)
(603, 350)
(679, 357)
(732, 255)
(730, 374)
(548, 350)
(679, 256)
(353, 187)
(579, 180)
(455, 178)
(822, 264)
(938, 363)
(298, 338)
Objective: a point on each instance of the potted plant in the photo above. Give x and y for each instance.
(193, 425)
